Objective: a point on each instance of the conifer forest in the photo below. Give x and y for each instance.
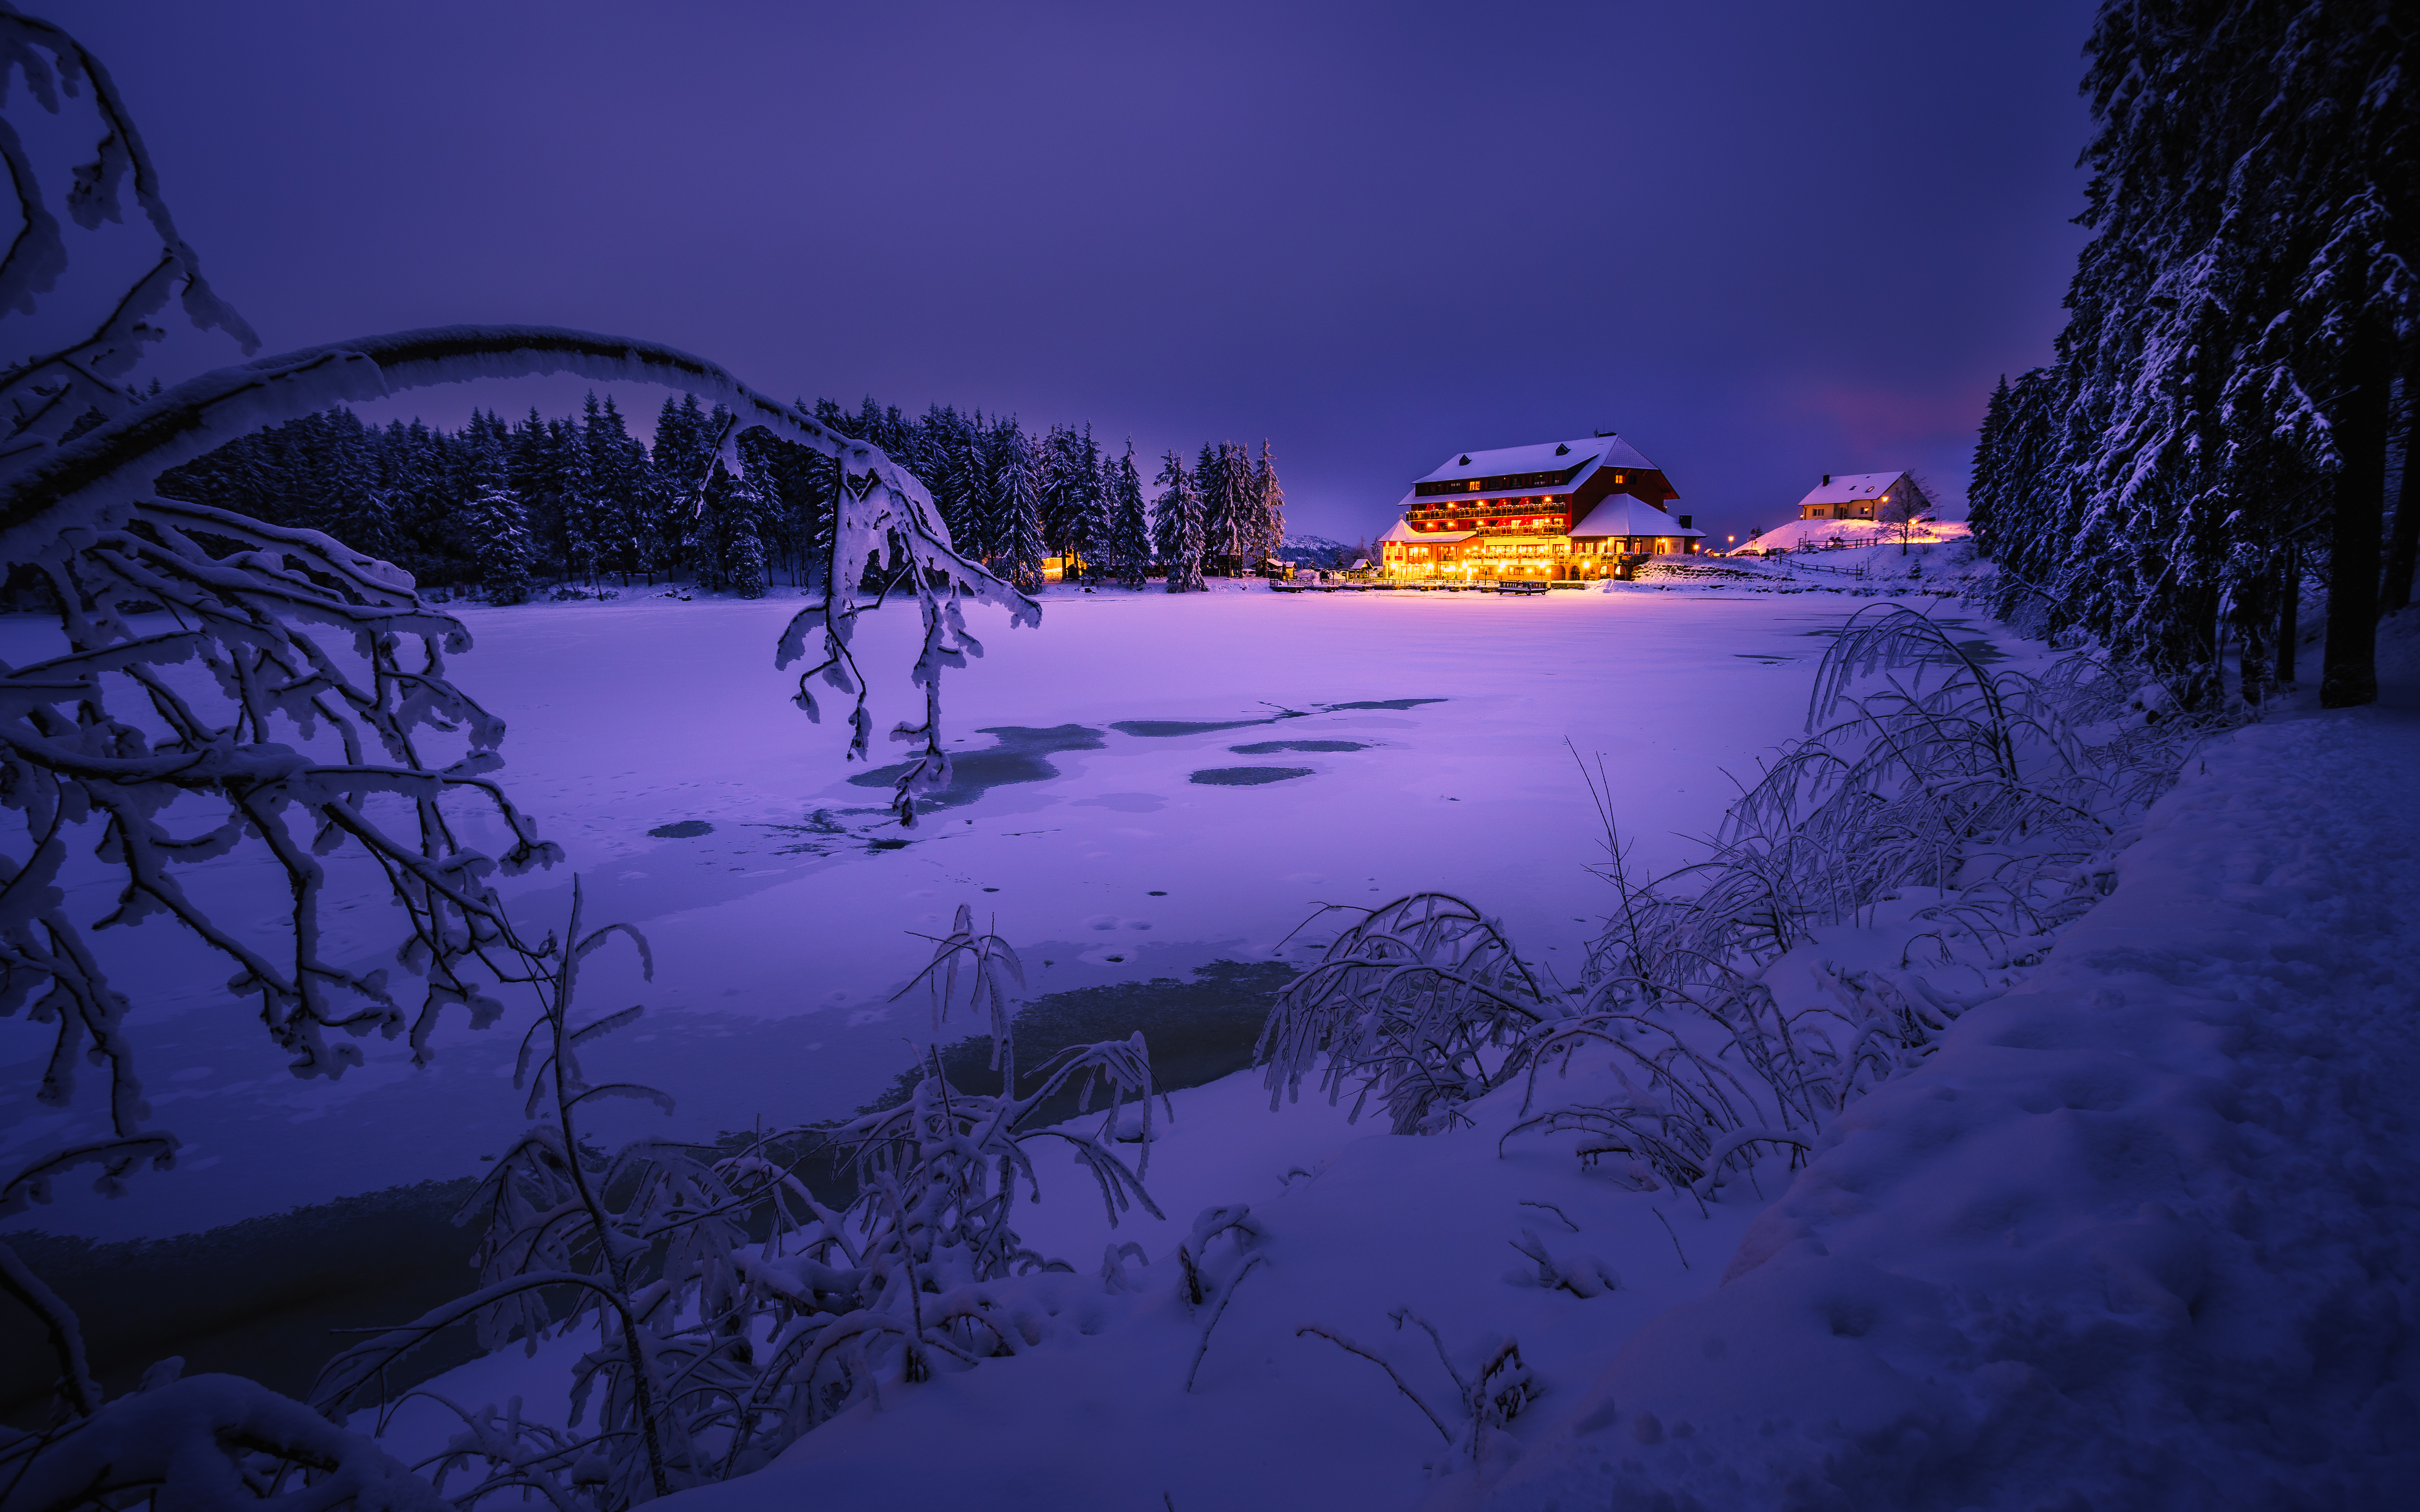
(508, 510)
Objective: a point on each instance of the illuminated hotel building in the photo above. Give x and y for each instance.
(1588, 508)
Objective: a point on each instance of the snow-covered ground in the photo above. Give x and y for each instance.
(2139, 1235)
(1433, 735)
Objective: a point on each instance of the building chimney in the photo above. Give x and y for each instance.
(1684, 522)
(1827, 480)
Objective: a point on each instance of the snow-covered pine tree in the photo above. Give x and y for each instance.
(1083, 507)
(746, 554)
(1222, 502)
(2403, 540)
(532, 467)
(1016, 506)
(1061, 493)
(969, 465)
(500, 527)
(1176, 524)
(676, 468)
(618, 472)
(2222, 388)
(1129, 521)
(1268, 498)
(2339, 188)
(941, 447)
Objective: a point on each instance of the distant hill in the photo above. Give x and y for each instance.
(1313, 551)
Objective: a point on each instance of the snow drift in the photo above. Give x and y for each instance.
(2138, 1236)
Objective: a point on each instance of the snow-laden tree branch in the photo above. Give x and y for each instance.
(219, 684)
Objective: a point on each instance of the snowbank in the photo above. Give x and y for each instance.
(2139, 1236)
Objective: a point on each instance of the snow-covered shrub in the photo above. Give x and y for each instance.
(714, 1351)
(1986, 791)
(203, 1442)
(1973, 811)
(296, 694)
(1417, 1005)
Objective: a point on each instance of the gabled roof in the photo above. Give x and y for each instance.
(1853, 487)
(1624, 513)
(1606, 451)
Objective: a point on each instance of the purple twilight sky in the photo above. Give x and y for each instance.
(1762, 241)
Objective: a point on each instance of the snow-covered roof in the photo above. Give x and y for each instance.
(1624, 513)
(1852, 487)
(1609, 450)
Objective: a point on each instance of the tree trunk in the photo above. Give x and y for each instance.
(2189, 650)
(2403, 547)
(2349, 663)
(2289, 619)
(2253, 618)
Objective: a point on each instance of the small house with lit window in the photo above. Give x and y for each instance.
(1587, 508)
(1860, 495)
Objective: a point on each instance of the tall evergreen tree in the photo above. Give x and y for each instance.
(1129, 535)
(1222, 526)
(1268, 498)
(2220, 404)
(1016, 507)
(495, 521)
(1177, 523)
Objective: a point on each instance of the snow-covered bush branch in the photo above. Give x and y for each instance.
(714, 1350)
(1415, 1005)
(1972, 812)
(214, 1442)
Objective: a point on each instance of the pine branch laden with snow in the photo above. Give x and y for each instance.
(712, 1351)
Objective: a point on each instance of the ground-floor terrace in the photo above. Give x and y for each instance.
(1480, 557)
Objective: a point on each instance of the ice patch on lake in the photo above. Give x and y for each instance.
(1246, 777)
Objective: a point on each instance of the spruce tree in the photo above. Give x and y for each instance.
(1016, 506)
(746, 558)
(1214, 484)
(1268, 498)
(2220, 403)
(1177, 523)
(498, 527)
(1129, 521)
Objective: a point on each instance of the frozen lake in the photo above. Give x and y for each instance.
(1155, 783)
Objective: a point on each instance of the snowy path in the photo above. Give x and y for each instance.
(779, 940)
